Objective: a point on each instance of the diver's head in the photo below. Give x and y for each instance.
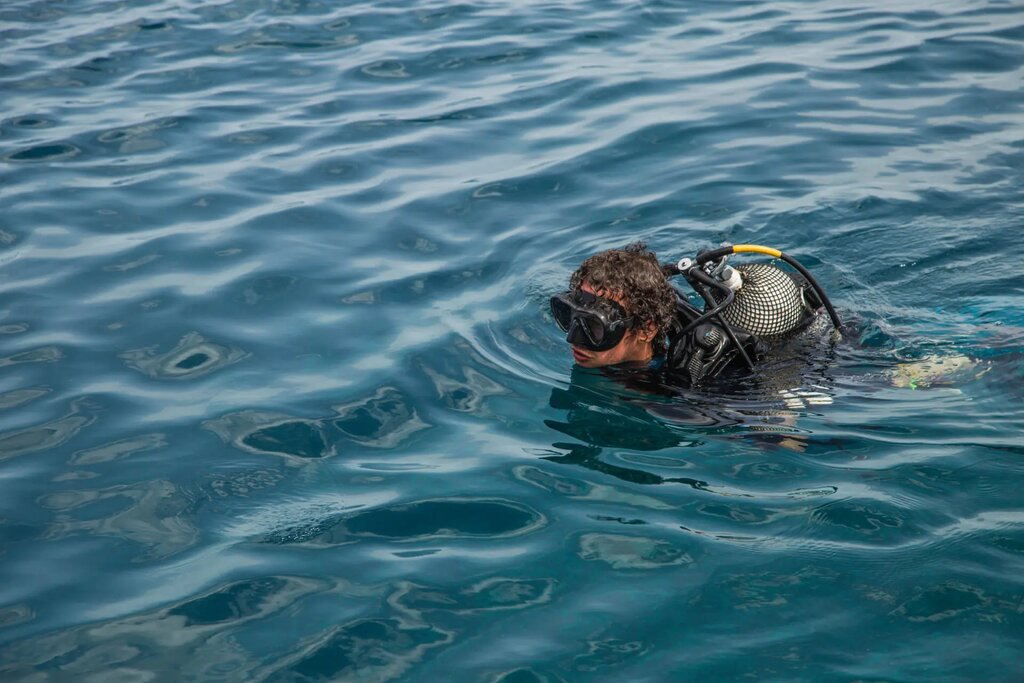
(617, 308)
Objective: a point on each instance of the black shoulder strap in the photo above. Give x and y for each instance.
(703, 352)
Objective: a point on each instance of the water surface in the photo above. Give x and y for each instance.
(280, 399)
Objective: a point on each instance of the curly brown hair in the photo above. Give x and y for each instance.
(633, 275)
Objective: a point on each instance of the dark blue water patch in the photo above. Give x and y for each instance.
(28, 122)
(295, 438)
(16, 533)
(97, 64)
(382, 420)
(192, 361)
(964, 54)
(416, 553)
(447, 517)
(619, 520)
(119, 644)
(45, 153)
(237, 601)
(443, 518)
(192, 357)
(380, 647)
(597, 37)
(273, 434)
(1010, 544)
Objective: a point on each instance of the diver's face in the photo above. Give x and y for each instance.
(635, 345)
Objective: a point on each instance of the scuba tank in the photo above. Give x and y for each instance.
(745, 308)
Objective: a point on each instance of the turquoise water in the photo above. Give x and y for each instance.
(280, 398)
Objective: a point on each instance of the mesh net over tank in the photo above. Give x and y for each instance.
(769, 303)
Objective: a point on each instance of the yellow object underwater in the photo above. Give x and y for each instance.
(937, 371)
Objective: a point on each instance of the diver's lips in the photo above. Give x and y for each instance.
(579, 356)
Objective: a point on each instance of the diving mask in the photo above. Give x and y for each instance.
(590, 321)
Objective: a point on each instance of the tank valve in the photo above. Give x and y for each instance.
(732, 278)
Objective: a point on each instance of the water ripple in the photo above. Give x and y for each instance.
(280, 395)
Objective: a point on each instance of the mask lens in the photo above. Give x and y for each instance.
(595, 328)
(562, 313)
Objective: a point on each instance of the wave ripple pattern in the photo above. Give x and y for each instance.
(280, 396)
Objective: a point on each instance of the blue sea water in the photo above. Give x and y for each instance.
(280, 399)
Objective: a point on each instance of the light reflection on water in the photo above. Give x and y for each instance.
(280, 398)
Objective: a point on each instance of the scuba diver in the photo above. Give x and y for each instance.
(621, 310)
(757, 355)
(621, 315)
